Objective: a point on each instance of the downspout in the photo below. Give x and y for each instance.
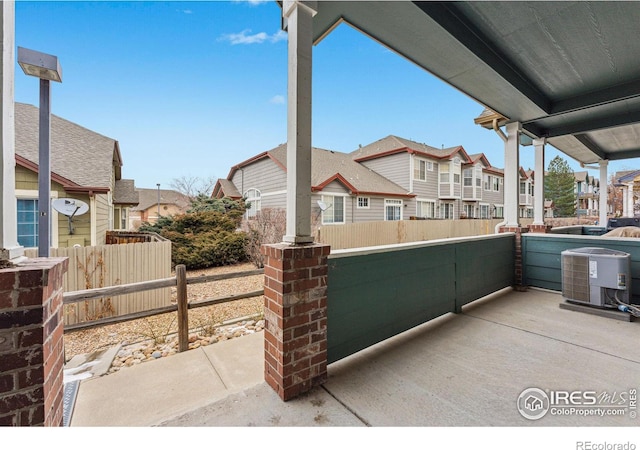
(500, 133)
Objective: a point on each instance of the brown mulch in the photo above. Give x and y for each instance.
(87, 341)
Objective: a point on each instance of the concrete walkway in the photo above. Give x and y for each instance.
(458, 370)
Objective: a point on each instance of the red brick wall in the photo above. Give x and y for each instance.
(31, 343)
(295, 312)
(518, 254)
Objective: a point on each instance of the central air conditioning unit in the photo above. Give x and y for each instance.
(596, 276)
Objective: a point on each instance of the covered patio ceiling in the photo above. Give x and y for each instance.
(567, 71)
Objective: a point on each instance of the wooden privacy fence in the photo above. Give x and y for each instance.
(112, 265)
(180, 281)
(368, 234)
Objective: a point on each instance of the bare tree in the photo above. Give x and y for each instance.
(193, 186)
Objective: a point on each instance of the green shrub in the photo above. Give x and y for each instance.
(205, 238)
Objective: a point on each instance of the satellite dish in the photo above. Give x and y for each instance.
(70, 208)
(323, 206)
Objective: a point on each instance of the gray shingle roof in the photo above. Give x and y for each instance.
(125, 193)
(78, 154)
(228, 188)
(149, 198)
(391, 143)
(326, 164)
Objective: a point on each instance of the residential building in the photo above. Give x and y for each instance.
(627, 181)
(157, 202)
(343, 191)
(587, 193)
(525, 193)
(85, 166)
(390, 179)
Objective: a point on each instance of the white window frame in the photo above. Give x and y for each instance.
(393, 203)
(499, 211)
(331, 201)
(27, 194)
(431, 207)
(497, 181)
(467, 174)
(448, 206)
(469, 210)
(361, 204)
(444, 175)
(485, 211)
(255, 202)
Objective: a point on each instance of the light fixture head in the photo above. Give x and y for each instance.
(40, 65)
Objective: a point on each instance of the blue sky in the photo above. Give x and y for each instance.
(191, 88)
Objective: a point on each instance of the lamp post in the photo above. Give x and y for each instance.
(158, 184)
(46, 68)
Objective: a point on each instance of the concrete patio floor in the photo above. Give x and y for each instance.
(458, 370)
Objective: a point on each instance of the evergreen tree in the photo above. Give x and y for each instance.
(559, 185)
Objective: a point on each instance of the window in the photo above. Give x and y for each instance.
(363, 202)
(496, 183)
(444, 173)
(426, 209)
(487, 182)
(421, 168)
(484, 212)
(28, 222)
(456, 178)
(523, 188)
(392, 209)
(124, 218)
(469, 211)
(478, 176)
(253, 198)
(334, 213)
(446, 210)
(499, 211)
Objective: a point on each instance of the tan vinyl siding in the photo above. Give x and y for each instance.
(374, 212)
(274, 201)
(26, 180)
(264, 175)
(102, 218)
(428, 188)
(396, 168)
(81, 227)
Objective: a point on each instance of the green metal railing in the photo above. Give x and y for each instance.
(379, 292)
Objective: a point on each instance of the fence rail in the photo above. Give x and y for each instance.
(113, 265)
(180, 281)
(367, 234)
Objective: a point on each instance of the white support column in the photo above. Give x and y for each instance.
(538, 198)
(299, 16)
(511, 175)
(9, 247)
(603, 198)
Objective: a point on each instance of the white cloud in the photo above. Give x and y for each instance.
(277, 99)
(251, 2)
(244, 37)
(279, 36)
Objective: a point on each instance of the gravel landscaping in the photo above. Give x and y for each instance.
(149, 333)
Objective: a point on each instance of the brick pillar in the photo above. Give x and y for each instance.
(536, 228)
(31, 343)
(519, 286)
(295, 311)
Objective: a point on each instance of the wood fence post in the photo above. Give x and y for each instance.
(183, 314)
